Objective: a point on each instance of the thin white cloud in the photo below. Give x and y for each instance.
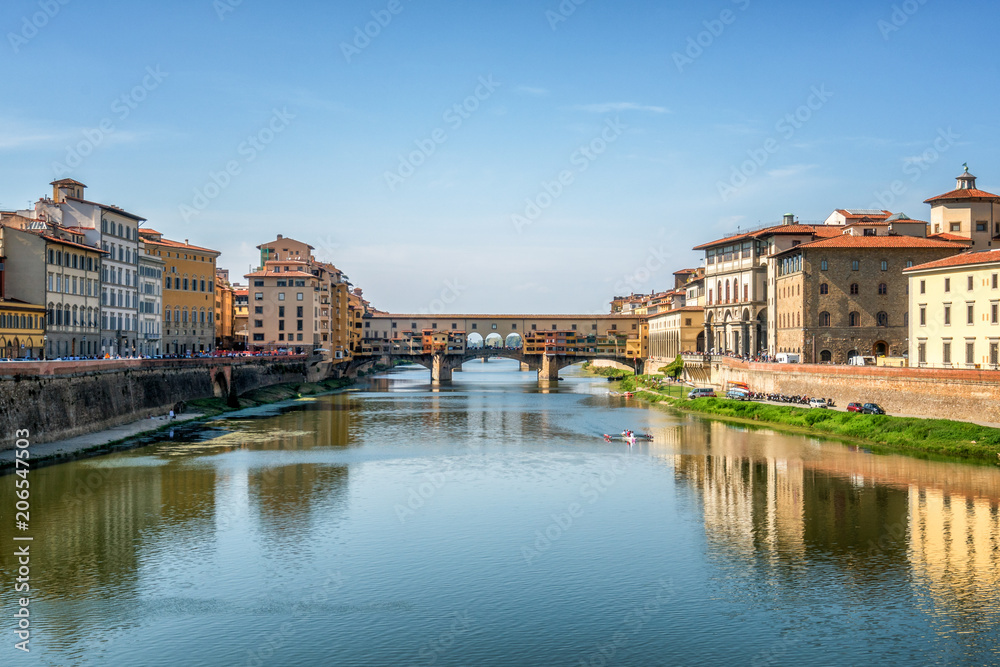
(608, 107)
(532, 90)
(791, 170)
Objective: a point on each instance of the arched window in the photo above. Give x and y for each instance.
(854, 288)
(746, 292)
(883, 289)
(854, 319)
(824, 319)
(882, 319)
(826, 355)
(727, 292)
(824, 288)
(166, 314)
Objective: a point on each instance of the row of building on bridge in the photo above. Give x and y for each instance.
(84, 279)
(565, 343)
(862, 284)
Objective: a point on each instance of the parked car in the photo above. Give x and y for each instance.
(818, 403)
(854, 407)
(872, 409)
(737, 395)
(701, 393)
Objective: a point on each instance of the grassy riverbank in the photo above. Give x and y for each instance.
(906, 435)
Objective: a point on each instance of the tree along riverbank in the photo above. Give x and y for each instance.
(905, 435)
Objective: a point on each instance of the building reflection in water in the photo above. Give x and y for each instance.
(935, 523)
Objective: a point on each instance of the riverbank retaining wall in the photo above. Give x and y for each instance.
(57, 400)
(972, 395)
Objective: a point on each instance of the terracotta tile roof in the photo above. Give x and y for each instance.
(964, 259)
(167, 243)
(819, 230)
(848, 241)
(55, 239)
(847, 213)
(298, 275)
(945, 236)
(965, 193)
(106, 207)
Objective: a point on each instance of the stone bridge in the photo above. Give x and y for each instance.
(546, 365)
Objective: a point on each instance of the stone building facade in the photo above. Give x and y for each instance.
(846, 296)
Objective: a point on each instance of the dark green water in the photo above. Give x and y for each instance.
(490, 524)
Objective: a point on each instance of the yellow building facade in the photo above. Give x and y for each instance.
(188, 294)
(22, 329)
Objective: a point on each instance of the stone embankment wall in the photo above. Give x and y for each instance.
(57, 400)
(939, 393)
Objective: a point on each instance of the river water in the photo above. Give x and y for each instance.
(488, 523)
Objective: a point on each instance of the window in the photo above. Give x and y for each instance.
(298, 296)
(258, 337)
(259, 324)
(281, 325)
(854, 319)
(883, 289)
(909, 263)
(980, 226)
(824, 319)
(955, 226)
(922, 353)
(854, 265)
(823, 265)
(281, 311)
(970, 352)
(969, 283)
(994, 353)
(494, 327)
(923, 286)
(993, 313)
(258, 296)
(281, 296)
(970, 313)
(824, 288)
(947, 314)
(258, 283)
(947, 284)
(993, 281)
(946, 352)
(882, 319)
(826, 355)
(923, 316)
(298, 325)
(854, 288)
(258, 310)
(298, 313)
(885, 265)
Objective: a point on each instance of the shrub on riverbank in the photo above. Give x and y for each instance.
(940, 437)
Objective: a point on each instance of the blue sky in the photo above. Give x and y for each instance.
(590, 150)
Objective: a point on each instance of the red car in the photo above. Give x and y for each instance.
(854, 407)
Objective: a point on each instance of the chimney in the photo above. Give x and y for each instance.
(186, 242)
(280, 237)
(788, 219)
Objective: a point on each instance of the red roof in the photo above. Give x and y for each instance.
(964, 259)
(848, 241)
(945, 236)
(167, 243)
(818, 230)
(964, 193)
